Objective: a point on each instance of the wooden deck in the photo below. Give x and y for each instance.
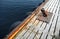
(36, 29)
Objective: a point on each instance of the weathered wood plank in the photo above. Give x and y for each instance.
(38, 26)
(33, 20)
(53, 10)
(35, 30)
(20, 35)
(30, 30)
(53, 26)
(47, 28)
(53, 6)
(47, 4)
(57, 26)
(40, 31)
(36, 22)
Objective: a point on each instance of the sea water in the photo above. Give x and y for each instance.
(12, 11)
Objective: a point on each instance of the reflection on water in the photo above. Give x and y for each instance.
(14, 10)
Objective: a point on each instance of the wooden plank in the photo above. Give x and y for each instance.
(30, 30)
(40, 23)
(57, 29)
(53, 26)
(19, 35)
(58, 26)
(35, 30)
(40, 31)
(47, 4)
(27, 33)
(32, 21)
(45, 32)
(46, 8)
(36, 22)
(32, 34)
(53, 6)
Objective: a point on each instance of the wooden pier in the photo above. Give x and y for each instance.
(31, 28)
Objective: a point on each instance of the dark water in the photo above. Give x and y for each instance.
(14, 10)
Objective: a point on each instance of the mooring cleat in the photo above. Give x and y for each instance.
(44, 16)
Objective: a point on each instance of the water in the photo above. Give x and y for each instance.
(14, 10)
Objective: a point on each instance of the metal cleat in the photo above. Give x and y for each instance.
(44, 16)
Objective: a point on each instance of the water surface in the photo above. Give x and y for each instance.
(14, 10)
